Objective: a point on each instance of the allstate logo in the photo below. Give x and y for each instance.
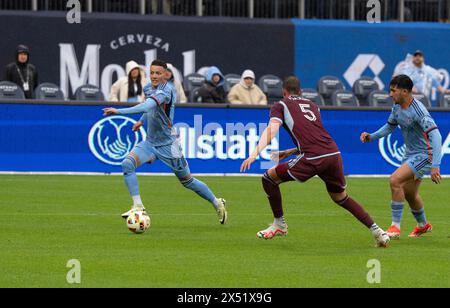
(112, 139)
(392, 149)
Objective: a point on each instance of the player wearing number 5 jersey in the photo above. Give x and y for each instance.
(316, 154)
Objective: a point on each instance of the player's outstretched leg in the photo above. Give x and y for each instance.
(129, 166)
(358, 211)
(417, 209)
(142, 153)
(272, 189)
(203, 191)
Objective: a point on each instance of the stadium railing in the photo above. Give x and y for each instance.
(403, 10)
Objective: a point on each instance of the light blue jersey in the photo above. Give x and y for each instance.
(420, 132)
(415, 123)
(160, 130)
(158, 113)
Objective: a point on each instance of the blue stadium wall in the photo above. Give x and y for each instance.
(64, 138)
(348, 50)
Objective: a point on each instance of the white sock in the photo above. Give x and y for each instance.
(396, 224)
(280, 222)
(137, 201)
(216, 203)
(375, 229)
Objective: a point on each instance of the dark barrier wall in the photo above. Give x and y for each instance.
(214, 140)
(349, 50)
(96, 50)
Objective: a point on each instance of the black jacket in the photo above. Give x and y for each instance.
(209, 93)
(22, 72)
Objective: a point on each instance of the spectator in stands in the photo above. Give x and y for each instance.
(181, 96)
(212, 90)
(22, 73)
(423, 76)
(129, 88)
(247, 92)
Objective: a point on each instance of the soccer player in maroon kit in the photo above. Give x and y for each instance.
(317, 154)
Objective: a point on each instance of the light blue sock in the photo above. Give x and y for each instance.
(397, 213)
(201, 189)
(419, 215)
(129, 172)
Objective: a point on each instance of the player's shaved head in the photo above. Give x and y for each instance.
(292, 85)
(402, 82)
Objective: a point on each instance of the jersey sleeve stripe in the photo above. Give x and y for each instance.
(430, 130)
(417, 109)
(277, 119)
(155, 99)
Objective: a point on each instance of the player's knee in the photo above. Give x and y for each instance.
(128, 166)
(395, 181)
(186, 181)
(267, 181)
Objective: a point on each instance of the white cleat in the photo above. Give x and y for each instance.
(134, 209)
(272, 231)
(382, 238)
(222, 211)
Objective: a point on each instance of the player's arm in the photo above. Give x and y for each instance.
(384, 131)
(434, 140)
(269, 133)
(148, 105)
(281, 155)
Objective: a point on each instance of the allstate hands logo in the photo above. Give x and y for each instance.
(112, 139)
(392, 149)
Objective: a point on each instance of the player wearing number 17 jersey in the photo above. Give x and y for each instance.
(316, 154)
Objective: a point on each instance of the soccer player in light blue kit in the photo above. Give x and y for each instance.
(162, 142)
(423, 154)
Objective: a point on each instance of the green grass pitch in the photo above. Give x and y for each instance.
(47, 220)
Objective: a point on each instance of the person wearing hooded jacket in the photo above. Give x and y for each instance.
(129, 88)
(212, 90)
(247, 92)
(181, 96)
(22, 73)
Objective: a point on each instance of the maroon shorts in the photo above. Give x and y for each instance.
(330, 169)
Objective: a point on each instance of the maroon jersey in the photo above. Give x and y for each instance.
(301, 118)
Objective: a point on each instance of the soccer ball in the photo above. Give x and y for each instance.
(138, 222)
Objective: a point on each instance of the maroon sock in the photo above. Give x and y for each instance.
(357, 210)
(273, 192)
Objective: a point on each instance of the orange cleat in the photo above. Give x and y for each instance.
(393, 232)
(419, 231)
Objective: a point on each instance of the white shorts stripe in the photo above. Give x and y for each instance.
(322, 156)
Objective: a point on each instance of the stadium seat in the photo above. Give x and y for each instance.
(272, 86)
(380, 98)
(230, 81)
(363, 87)
(444, 101)
(327, 85)
(313, 96)
(89, 93)
(48, 91)
(343, 98)
(193, 96)
(192, 82)
(9, 90)
(422, 98)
